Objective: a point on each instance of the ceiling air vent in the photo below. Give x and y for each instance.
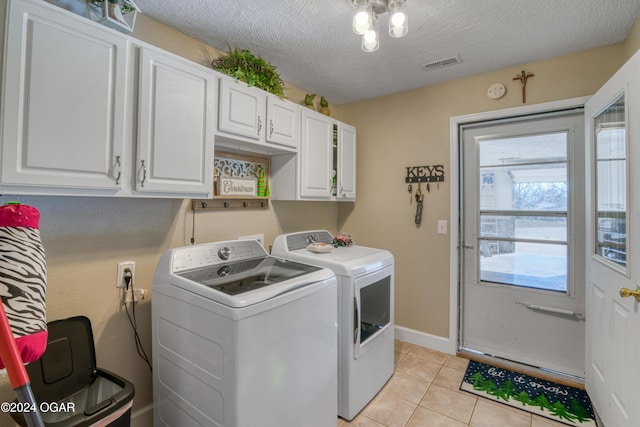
(441, 63)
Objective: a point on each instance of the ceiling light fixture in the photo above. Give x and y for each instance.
(365, 20)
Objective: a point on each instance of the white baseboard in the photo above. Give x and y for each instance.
(433, 342)
(142, 417)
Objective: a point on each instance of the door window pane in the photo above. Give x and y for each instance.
(611, 183)
(523, 211)
(543, 148)
(531, 265)
(524, 227)
(526, 187)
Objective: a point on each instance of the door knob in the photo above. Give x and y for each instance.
(624, 293)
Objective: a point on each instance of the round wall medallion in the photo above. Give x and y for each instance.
(496, 91)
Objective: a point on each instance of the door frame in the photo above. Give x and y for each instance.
(454, 202)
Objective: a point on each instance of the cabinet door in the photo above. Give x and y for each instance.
(346, 162)
(64, 101)
(241, 109)
(315, 155)
(283, 122)
(175, 141)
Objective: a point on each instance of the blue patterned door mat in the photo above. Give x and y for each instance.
(561, 403)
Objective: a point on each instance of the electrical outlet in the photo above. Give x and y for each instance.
(442, 226)
(258, 237)
(122, 267)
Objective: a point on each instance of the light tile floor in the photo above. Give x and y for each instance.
(424, 392)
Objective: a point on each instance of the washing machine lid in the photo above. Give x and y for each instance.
(236, 273)
(243, 283)
(354, 260)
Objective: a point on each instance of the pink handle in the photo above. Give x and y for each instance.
(10, 354)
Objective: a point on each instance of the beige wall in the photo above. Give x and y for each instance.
(85, 237)
(632, 43)
(412, 129)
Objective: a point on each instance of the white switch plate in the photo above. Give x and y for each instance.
(442, 226)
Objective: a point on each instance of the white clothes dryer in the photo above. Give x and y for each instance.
(242, 339)
(365, 308)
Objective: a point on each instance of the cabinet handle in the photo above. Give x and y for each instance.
(270, 128)
(259, 124)
(144, 173)
(119, 170)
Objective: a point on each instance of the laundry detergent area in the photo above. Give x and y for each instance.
(217, 254)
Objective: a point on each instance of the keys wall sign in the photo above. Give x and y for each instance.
(433, 173)
(420, 174)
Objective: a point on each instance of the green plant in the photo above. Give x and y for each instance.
(251, 69)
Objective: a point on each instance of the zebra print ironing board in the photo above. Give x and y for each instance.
(23, 277)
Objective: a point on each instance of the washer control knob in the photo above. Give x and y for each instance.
(224, 253)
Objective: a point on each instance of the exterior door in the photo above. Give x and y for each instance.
(612, 118)
(522, 225)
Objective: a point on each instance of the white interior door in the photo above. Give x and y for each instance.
(522, 229)
(612, 118)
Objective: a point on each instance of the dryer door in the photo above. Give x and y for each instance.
(373, 308)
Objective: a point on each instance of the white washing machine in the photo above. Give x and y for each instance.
(365, 306)
(243, 339)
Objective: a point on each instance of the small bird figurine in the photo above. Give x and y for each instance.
(308, 99)
(324, 106)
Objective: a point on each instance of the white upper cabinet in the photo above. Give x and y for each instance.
(64, 102)
(241, 109)
(250, 119)
(316, 155)
(346, 159)
(175, 126)
(89, 111)
(69, 111)
(324, 167)
(283, 119)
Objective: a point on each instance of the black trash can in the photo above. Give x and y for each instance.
(68, 387)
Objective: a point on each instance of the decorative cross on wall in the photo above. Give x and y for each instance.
(523, 76)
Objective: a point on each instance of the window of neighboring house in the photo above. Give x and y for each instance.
(523, 215)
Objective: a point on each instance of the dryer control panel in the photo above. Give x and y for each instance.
(302, 240)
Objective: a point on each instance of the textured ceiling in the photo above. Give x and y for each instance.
(312, 43)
